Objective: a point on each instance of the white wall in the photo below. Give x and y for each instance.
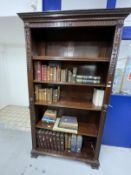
(17, 69)
(11, 8)
(13, 76)
(4, 81)
(83, 4)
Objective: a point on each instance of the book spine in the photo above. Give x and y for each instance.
(73, 143)
(37, 70)
(44, 72)
(79, 143)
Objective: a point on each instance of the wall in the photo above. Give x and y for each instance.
(4, 81)
(83, 4)
(13, 76)
(11, 8)
(17, 75)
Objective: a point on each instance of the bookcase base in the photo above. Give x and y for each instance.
(94, 163)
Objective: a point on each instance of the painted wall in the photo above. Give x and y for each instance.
(83, 4)
(17, 75)
(11, 8)
(4, 81)
(13, 76)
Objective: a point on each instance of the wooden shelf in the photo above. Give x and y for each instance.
(75, 58)
(86, 129)
(69, 84)
(87, 153)
(72, 105)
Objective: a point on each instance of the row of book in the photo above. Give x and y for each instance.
(47, 94)
(54, 73)
(57, 141)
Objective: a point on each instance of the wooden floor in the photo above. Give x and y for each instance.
(15, 146)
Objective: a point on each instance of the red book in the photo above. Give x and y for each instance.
(38, 70)
(44, 72)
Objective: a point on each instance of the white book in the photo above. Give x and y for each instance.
(98, 96)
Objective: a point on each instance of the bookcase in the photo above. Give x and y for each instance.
(82, 40)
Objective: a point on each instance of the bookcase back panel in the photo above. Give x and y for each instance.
(80, 41)
(76, 94)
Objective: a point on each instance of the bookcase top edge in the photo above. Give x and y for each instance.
(118, 12)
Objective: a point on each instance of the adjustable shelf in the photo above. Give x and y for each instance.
(68, 84)
(72, 58)
(72, 105)
(86, 129)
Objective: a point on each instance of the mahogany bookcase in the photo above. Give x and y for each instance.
(88, 40)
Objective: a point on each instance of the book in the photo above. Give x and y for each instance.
(43, 72)
(70, 76)
(57, 128)
(68, 122)
(79, 143)
(98, 96)
(50, 113)
(69, 142)
(73, 142)
(74, 74)
(78, 80)
(49, 116)
(90, 77)
(63, 75)
(37, 67)
(58, 73)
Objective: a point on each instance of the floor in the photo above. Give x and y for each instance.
(15, 146)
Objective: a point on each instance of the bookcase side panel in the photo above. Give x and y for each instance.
(30, 83)
(113, 60)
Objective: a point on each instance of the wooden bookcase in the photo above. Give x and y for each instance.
(89, 40)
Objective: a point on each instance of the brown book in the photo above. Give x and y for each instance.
(54, 73)
(62, 142)
(58, 73)
(66, 141)
(55, 95)
(38, 138)
(69, 142)
(40, 94)
(49, 95)
(70, 78)
(37, 87)
(43, 72)
(47, 139)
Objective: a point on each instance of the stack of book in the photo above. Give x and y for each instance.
(88, 79)
(49, 116)
(66, 124)
(50, 140)
(47, 94)
(57, 141)
(98, 96)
